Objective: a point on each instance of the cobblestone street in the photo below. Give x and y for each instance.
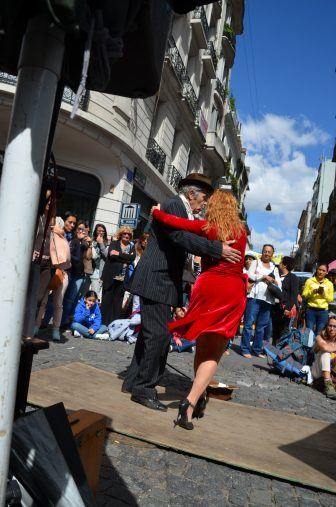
(139, 474)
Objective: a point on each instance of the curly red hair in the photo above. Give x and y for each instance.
(222, 214)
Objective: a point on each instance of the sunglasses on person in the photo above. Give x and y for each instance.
(80, 229)
(126, 234)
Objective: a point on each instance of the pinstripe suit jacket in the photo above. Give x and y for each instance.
(158, 275)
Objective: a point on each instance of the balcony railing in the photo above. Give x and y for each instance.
(176, 61)
(156, 155)
(201, 123)
(211, 52)
(8, 78)
(189, 94)
(221, 90)
(173, 176)
(69, 98)
(199, 13)
(187, 90)
(68, 94)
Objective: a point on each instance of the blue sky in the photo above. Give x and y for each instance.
(284, 82)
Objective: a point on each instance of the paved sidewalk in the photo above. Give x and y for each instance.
(139, 474)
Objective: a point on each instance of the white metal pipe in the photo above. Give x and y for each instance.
(39, 71)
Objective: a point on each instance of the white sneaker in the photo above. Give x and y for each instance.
(102, 336)
(76, 334)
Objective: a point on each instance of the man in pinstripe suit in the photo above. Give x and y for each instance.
(158, 281)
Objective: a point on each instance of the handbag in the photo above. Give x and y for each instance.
(56, 280)
(273, 289)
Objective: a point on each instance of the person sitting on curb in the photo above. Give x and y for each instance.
(87, 318)
(324, 365)
(177, 342)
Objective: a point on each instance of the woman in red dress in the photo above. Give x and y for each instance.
(218, 298)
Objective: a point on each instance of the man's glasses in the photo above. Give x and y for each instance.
(333, 326)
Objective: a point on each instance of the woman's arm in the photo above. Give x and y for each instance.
(329, 292)
(293, 292)
(307, 289)
(121, 257)
(252, 273)
(325, 346)
(174, 222)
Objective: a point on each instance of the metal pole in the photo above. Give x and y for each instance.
(39, 71)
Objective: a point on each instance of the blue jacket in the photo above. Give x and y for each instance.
(90, 318)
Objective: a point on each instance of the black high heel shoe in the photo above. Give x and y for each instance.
(201, 404)
(182, 419)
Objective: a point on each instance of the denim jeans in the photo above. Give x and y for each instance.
(71, 298)
(316, 320)
(83, 330)
(186, 345)
(257, 311)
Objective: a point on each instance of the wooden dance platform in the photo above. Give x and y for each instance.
(276, 444)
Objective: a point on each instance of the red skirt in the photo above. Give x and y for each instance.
(216, 306)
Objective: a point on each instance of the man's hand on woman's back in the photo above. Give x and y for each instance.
(230, 254)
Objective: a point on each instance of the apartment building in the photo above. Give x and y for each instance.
(120, 150)
(310, 250)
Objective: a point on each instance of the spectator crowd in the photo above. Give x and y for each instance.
(83, 289)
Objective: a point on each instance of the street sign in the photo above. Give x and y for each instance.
(129, 215)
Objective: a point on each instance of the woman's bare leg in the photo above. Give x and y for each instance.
(209, 350)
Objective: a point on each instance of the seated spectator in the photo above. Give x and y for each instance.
(127, 329)
(177, 342)
(324, 365)
(318, 292)
(87, 318)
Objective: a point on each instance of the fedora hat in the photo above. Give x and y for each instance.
(198, 180)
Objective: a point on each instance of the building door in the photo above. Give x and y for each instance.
(138, 196)
(82, 191)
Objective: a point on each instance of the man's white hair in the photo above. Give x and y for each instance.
(186, 189)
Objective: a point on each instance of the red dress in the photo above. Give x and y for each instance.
(218, 298)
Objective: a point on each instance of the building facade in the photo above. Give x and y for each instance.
(311, 248)
(120, 150)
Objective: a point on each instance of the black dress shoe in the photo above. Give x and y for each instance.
(152, 403)
(125, 389)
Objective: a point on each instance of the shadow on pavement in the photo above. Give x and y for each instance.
(317, 451)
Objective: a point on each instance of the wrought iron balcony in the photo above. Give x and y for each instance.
(229, 45)
(212, 52)
(201, 123)
(173, 176)
(221, 90)
(68, 94)
(69, 98)
(199, 13)
(176, 61)
(189, 94)
(200, 27)
(8, 78)
(156, 155)
(210, 60)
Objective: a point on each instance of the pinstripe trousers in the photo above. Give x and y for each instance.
(151, 349)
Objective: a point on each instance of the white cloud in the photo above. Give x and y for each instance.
(273, 236)
(280, 174)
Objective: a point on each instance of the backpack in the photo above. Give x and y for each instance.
(292, 352)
